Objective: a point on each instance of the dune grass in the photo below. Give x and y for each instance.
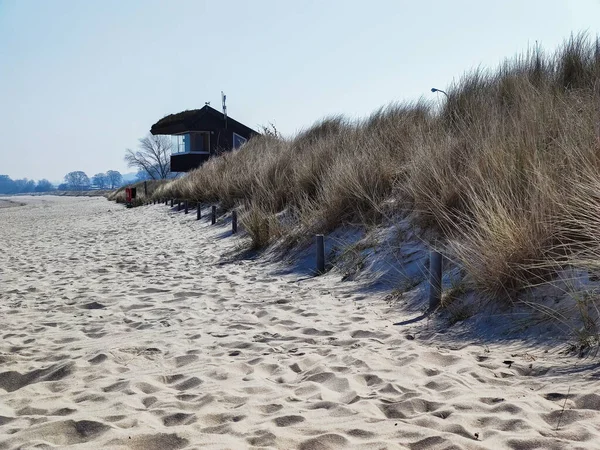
(118, 195)
(506, 171)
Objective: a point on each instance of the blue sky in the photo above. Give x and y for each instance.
(81, 81)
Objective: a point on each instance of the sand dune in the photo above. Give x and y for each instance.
(119, 330)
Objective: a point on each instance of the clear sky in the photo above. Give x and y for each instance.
(81, 81)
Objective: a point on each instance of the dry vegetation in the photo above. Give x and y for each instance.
(507, 171)
(119, 194)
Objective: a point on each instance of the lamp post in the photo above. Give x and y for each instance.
(439, 90)
(435, 263)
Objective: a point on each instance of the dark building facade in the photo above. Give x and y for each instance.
(199, 134)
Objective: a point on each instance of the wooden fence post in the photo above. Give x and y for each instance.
(320, 241)
(435, 279)
(198, 211)
(213, 218)
(234, 221)
(186, 206)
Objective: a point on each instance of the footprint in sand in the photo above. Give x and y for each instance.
(287, 421)
(325, 442)
(178, 419)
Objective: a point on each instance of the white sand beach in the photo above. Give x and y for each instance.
(120, 329)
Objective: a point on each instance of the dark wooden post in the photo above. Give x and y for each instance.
(198, 211)
(234, 221)
(171, 203)
(213, 218)
(435, 279)
(185, 206)
(320, 241)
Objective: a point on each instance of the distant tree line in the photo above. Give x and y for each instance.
(74, 181)
(79, 181)
(10, 186)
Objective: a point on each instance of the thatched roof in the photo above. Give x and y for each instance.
(194, 119)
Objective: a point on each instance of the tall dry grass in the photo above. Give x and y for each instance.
(498, 177)
(118, 195)
(506, 170)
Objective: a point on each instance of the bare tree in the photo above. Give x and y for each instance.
(44, 185)
(77, 181)
(153, 156)
(100, 180)
(114, 178)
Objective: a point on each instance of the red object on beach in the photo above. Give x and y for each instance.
(128, 195)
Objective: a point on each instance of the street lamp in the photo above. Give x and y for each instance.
(439, 90)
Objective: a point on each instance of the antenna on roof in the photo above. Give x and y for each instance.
(224, 98)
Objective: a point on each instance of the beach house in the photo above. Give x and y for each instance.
(199, 134)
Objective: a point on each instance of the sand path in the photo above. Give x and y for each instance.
(120, 330)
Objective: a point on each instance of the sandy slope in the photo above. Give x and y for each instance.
(119, 330)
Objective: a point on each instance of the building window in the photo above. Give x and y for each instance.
(238, 140)
(198, 142)
(178, 143)
(190, 143)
